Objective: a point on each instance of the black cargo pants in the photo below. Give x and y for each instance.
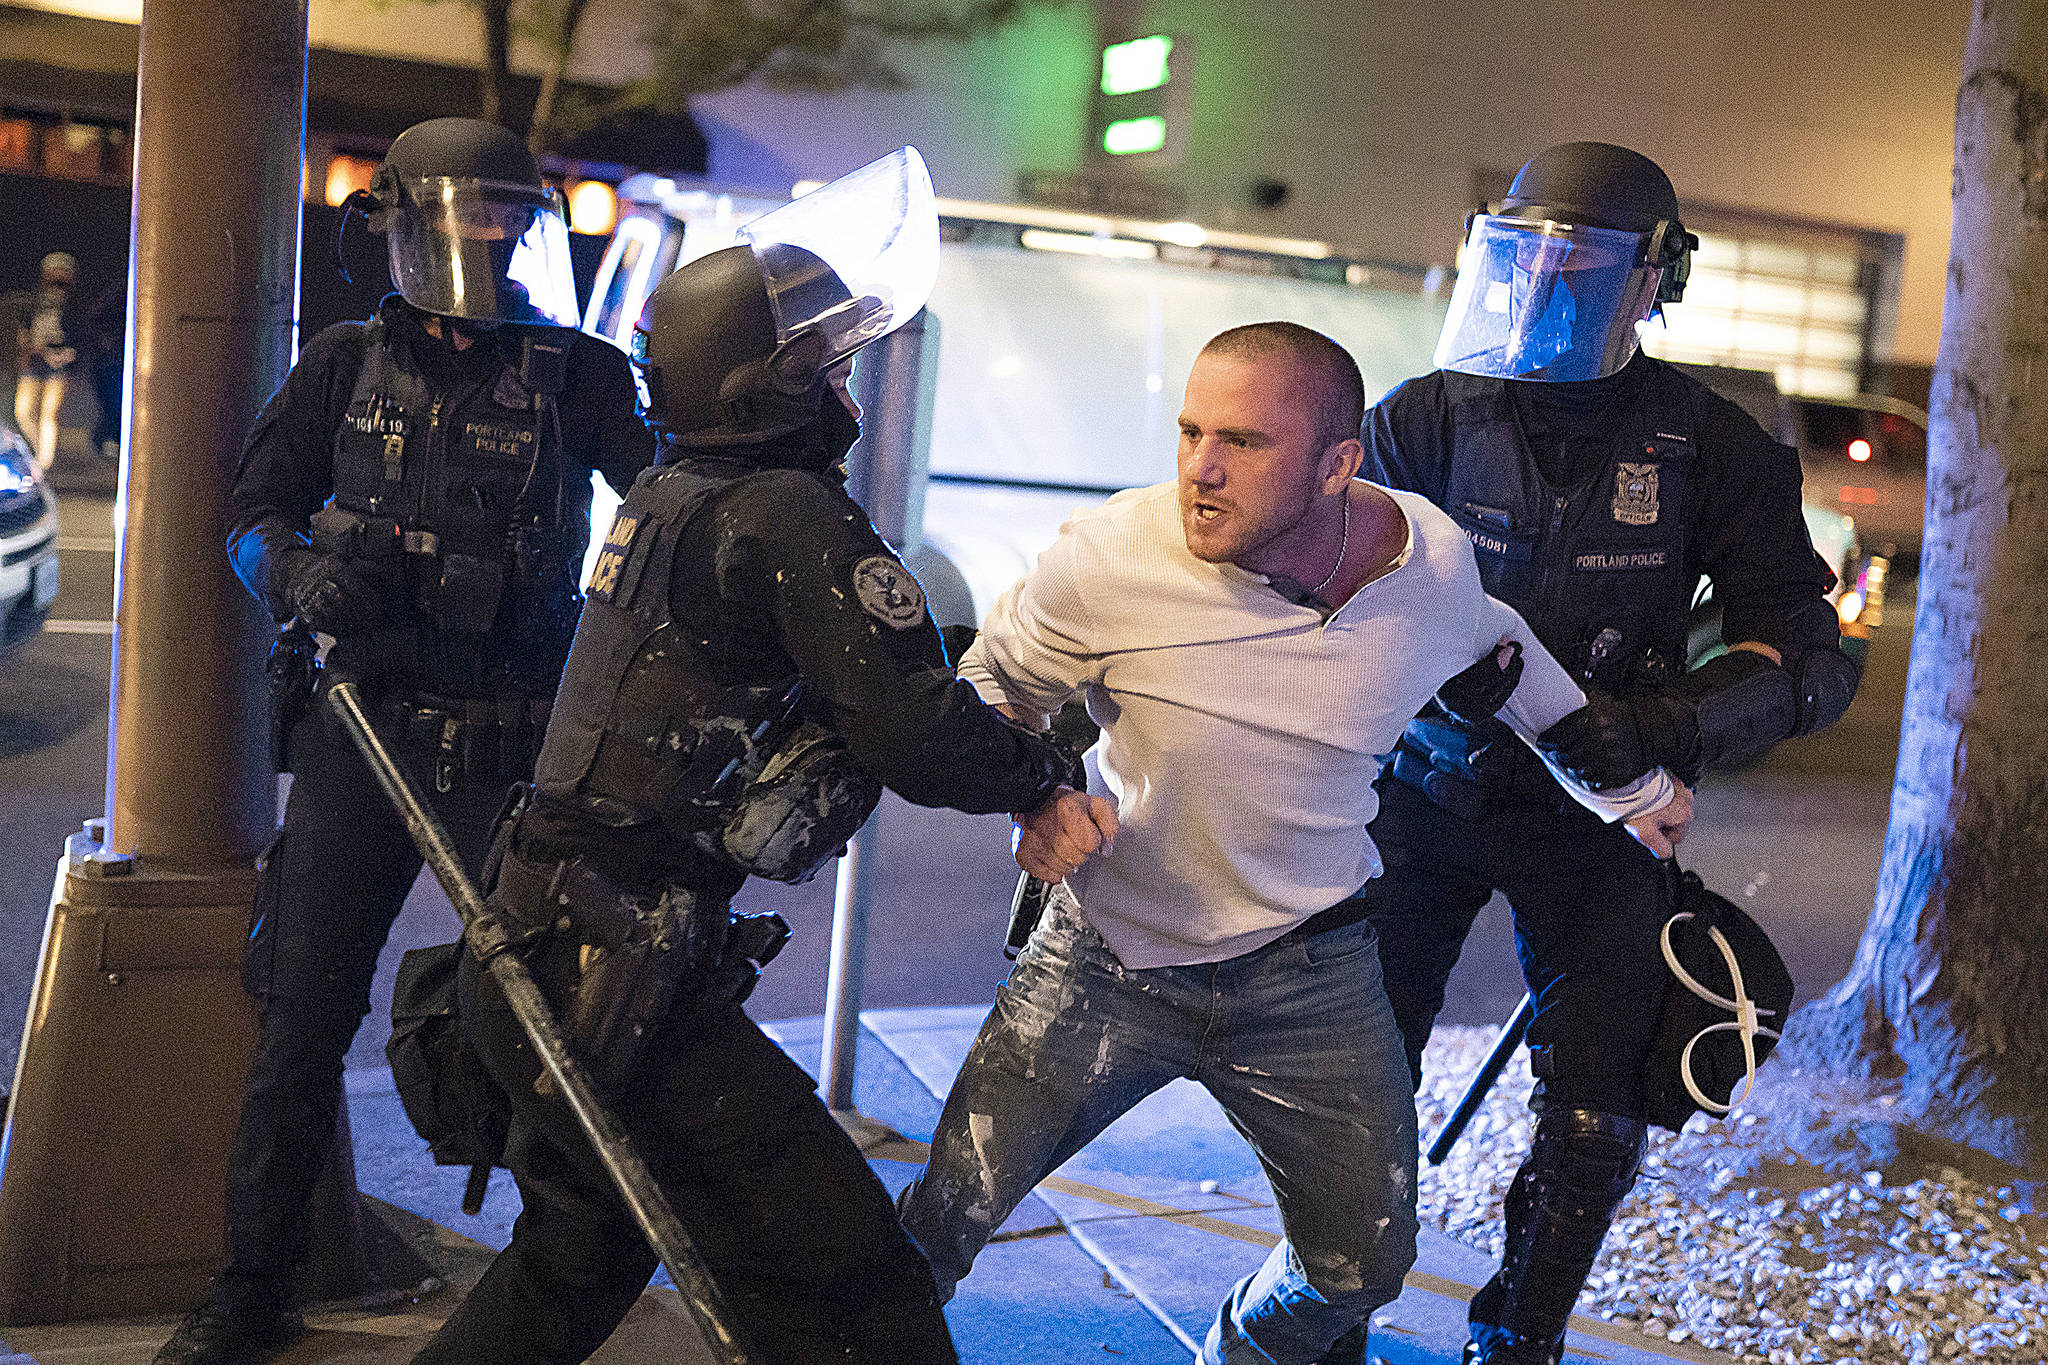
(327, 893)
(1589, 902)
(798, 1233)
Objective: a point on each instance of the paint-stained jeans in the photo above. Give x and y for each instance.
(1295, 1041)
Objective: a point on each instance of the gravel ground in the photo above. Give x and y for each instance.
(1731, 1242)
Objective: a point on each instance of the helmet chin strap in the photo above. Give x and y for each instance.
(358, 201)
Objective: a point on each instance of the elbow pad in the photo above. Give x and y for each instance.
(1828, 679)
(1744, 704)
(1825, 667)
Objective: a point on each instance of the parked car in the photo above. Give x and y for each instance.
(28, 542)
(1866, 457)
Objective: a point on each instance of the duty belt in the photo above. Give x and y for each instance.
(486, 739)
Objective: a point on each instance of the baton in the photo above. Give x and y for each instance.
(492, 947)
(1482, 1081)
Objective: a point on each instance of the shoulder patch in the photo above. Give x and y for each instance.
(618, 543)
(888, 592)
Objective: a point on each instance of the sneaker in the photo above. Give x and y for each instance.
(216, 1333)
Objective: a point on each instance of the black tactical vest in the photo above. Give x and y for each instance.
(471, 476)
(644, 731)
(1599, 571)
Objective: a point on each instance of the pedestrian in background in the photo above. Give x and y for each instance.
(46, 352)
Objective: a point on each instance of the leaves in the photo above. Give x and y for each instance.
(698, 46)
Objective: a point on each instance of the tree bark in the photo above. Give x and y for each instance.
(1949, 992)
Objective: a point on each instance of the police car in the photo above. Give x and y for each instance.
(28, 542)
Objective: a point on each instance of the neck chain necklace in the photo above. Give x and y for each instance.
(1342, 544)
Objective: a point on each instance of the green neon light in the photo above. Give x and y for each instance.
(1137, 65)
(1128, 137)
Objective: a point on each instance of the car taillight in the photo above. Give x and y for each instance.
(1859, 450)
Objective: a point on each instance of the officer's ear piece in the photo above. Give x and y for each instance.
(1670, 249)
(796, 364)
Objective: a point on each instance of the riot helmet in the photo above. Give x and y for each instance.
(737, 346)
(1551, 285)
(473, 232)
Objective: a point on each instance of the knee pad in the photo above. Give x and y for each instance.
(1583, 1162)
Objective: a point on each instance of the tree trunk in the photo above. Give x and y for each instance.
(497, 17)
(1949, 992)
(540, 129)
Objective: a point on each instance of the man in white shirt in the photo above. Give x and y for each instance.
(1252, 638)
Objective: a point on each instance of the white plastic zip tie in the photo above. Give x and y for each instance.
(1742, 1007)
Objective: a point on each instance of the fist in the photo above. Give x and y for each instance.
(1065, 832)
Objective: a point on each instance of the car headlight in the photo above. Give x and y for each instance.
(18, 469)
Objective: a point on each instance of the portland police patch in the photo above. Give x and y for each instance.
(888, 592)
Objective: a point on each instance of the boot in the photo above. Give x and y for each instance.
(1580, 1167)
(237, 1325)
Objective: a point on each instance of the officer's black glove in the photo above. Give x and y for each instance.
(1478, 692)
(1611, 741)
(339, 596)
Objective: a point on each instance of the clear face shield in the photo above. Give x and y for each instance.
(1544, 300)
(481, 250)
(874, 232)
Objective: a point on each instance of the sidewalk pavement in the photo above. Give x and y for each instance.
(1122, 1256)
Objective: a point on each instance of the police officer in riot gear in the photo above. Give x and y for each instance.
(754, 662)
(419, 491)
(1597, 486)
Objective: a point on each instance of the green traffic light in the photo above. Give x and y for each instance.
(1128, 137)
(1139, 64)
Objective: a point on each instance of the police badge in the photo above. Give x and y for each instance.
(1635, 494)
(887, 592)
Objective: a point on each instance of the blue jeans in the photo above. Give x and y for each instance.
(1296, 1042)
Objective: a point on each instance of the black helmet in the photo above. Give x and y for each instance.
(474, 233)
(461, 149)
(707, 347)
(1595, 183)
(735, 347)
(1552, 284)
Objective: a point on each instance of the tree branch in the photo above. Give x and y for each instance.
(561, 43)
(497, 17)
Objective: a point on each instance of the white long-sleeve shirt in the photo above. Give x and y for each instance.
(1241, 733)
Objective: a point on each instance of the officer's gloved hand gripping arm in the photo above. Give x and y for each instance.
(854, 621)
(1788, 672)
(285, 475)
(1517, 680)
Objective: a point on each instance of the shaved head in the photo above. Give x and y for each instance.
(1326, 371)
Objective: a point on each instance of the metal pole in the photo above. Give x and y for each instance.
(219, 152)
(493, 949)
(1482, 1080)
(846, 969)
(893, 380)
(138, 1036)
